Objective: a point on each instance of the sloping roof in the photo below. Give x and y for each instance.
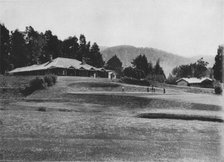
(57, 63)
(194, 80)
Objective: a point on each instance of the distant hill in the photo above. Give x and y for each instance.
(102, 48)
(167, 60)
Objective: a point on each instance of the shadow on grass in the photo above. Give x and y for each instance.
(95, 85)
(64, 110)
(180, 117)
(130, 102)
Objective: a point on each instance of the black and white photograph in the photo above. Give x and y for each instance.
(112, 80)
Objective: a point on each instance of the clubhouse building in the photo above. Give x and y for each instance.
(64, 67)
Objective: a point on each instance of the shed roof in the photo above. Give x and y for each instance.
(194, 80)
(57, 63)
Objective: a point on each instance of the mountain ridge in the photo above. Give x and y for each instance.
(126, 53)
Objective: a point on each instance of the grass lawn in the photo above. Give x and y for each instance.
(55, 124)
(15, 81)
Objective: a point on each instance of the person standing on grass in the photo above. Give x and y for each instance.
(122, 89)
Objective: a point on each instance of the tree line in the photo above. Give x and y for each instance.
(141, 68)
(199, 69)
(19, 49)
(24, 48)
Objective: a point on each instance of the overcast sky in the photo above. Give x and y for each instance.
(183, 27)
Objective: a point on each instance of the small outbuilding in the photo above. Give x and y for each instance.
(195, 82)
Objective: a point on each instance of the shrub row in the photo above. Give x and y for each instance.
(39, 83)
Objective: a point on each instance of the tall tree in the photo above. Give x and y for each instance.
(150, 68)
(96, 58)
(70, 47)
(158, 70)
(219, 64)
(141, 63)
(197, 69)
(35, 43)
(133, 73)
(52, 47)
(82, 48)
(114, 63)
(19, 52)
(200, 68)
(157, 73)
(4, 49)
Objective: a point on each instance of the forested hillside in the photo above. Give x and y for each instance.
(167, 60)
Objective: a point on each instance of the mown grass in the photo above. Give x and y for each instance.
(15, 81)
(101, 127)
(109, 86)
(95, 86)
(87, 135)
(10, 86)
(190, 89)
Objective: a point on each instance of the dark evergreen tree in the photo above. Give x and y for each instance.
(51, 48)
(156, 73)
(171, 79)
(82, 48)
(4, 49)
(95, 58)
(150, 68)
(19, 52)
(87, 57)
(114, 63)
(70, 47)
(141, 63)
(158, 70)
(31, 47)
(133, 73)
(219, 64)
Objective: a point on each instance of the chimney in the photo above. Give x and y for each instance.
(83, 60)
(192, 69)
(50, 58)
(38, 61)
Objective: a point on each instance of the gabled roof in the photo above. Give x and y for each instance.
(57, 63)
(194, 80)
